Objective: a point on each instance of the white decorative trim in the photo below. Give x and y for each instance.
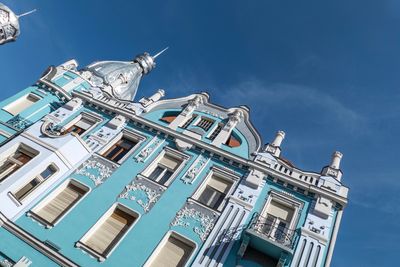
(96, 170)
(135, 189)
(151, 146)
(189, 217)
(195, 169)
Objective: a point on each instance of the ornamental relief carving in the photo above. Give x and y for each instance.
(143, 192)
(152, 146)
(96, 169)
(194, 216)
(195, 169)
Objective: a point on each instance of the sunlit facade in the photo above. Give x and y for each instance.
(91, 176)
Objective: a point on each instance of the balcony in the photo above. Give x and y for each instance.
(270, 236)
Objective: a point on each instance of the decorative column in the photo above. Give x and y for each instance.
(275, 147)
(333, 169)
(234, 118)
(146, 101)
(186, 112)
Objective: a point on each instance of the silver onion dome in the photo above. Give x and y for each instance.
(121, 78)
(9, 25)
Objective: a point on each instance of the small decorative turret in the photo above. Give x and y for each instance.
(334, 167)
(275, 147)
(121, 79)
(336, 158)
(9, 24)
(146, 101)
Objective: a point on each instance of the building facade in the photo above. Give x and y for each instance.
(90, 176)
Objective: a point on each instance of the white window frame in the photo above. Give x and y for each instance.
(20, 202)
(7, 156)
(51, 196)
(171, 153)
(194, 122)
(164, 240)
(96, 120)
(285, 200)
(128, 134)
(9, 105)
(81, 243)
(220, 173)
(5, 134)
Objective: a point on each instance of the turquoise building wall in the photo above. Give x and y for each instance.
(261, 173)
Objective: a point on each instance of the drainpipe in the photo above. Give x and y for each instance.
(333, 239)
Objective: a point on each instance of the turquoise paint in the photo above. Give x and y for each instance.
(242, 150)
(20, 249)
(150, 228)
(65, 78)
(148, 231)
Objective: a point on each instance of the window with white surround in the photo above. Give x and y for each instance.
(216, 131)
(82, 124)
(28, 188)
(166, 166)
(279, 216)
(14, 159)
(21, 104)
(122, 146)
(215, 189)
(189, 121)
(105, 235)
(53, 208)
(173, 251)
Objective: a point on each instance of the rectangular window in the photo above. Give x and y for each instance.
(21, 104)
(106, 233)
(205, 123)
(213, 193)
(216, 131)
(55, 207)
(175, 251)
(34, 183)
(278, 218)
(163, 169)
(16, 159)
(189, 121)
(165, 166)
(117, 151)
(81, 126)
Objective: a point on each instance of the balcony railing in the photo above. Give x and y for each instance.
(270, 228)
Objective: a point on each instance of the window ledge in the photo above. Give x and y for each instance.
(90, 251)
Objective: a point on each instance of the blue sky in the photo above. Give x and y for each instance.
(325, 72)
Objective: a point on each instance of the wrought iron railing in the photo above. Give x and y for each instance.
(270, 228)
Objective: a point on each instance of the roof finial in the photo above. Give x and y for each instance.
(27, 13)
(159, 53)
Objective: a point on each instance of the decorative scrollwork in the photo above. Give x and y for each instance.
(195, 169)
(149, 148)
(96, 169)
(19, 122)
(143, 192)
(196, 217)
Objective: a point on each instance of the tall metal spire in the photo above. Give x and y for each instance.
(27, 13)
(159, 53)
(9, 24)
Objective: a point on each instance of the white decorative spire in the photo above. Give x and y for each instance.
(336, 158)
(275, 147)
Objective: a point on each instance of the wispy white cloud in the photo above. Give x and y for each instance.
(280, 96)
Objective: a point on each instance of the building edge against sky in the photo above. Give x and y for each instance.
(89, 175)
